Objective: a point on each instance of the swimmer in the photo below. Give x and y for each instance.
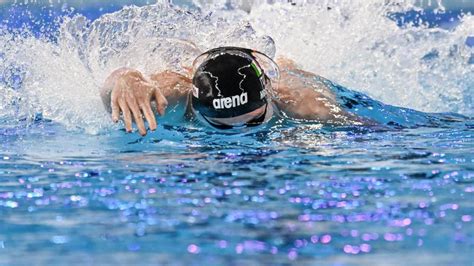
(228, 88)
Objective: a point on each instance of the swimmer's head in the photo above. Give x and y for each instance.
(230, 88)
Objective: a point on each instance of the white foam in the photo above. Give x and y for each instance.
(55, 83)
(62, 79)
(357, 45)
(353, 43)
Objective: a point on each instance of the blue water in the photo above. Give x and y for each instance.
(290, 192)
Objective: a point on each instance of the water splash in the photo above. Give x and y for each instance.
(53, 82)
(352, 43)
(356, 44)
(61, 79)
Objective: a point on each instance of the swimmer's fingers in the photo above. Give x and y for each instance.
(115, 112)
(150, 117)
(127, 116)
(137, 115)
(114, 106)
(161, 102)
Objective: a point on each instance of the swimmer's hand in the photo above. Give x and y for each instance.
(127, 92)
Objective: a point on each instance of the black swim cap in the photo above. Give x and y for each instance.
(228, 83)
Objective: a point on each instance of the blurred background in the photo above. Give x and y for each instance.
(448, 4)
(38, 14)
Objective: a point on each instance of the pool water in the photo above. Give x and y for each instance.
(302, 194)
(75, 189)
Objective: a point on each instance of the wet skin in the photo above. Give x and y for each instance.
(298, 94)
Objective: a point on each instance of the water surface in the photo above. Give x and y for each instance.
(75, 189)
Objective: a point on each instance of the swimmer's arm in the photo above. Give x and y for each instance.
(128, 92)
(300, 96)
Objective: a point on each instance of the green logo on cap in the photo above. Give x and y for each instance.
(257, 70)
